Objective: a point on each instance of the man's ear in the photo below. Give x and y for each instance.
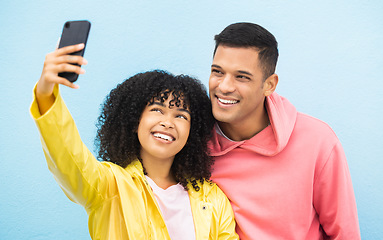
(270, 85)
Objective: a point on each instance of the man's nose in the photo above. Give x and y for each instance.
(227, 84)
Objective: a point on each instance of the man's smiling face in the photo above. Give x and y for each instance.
(236, 85)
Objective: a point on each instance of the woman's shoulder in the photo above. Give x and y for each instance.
(207, 189)
(132, 169)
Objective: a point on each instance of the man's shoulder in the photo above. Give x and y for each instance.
(313, 125)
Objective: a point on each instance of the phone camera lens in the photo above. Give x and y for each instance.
(67, 25)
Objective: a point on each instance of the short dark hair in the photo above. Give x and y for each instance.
(117, 139)
(251, 35)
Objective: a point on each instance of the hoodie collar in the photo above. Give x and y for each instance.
(271, 140)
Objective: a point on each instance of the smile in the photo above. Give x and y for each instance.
(164, 137)
(225, 101)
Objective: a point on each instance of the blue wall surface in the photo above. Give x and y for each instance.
(330, 67)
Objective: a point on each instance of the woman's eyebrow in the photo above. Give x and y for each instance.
(163, 105)
(157, 103)
(184, 110)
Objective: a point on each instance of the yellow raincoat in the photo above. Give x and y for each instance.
(119, 202)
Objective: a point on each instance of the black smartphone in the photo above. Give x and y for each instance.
(74, 32)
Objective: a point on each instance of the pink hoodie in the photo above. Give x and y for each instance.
(290, 181)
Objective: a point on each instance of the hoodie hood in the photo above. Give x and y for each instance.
(271, 140)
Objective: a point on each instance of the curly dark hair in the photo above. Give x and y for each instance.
(117, 139)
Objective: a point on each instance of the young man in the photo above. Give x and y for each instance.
(284, 172)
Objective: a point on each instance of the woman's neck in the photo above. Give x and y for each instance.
(159, 171)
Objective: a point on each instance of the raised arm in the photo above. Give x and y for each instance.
(56, 62)
(79, 174)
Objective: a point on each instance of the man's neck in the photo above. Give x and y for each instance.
(244, 131)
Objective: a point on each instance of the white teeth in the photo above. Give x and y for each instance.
(227, 101)
(163, 136)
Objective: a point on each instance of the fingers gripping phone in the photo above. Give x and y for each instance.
(74, 32)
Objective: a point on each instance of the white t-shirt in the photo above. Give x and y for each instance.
(175, 207)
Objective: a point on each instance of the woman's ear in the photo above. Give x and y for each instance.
(270, 85)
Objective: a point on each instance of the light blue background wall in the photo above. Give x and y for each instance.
(330, 67)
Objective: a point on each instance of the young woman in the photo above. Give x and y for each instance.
(152, 136)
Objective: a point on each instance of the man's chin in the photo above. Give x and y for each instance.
(223, 117)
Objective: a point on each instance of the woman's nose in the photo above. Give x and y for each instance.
(167, 123)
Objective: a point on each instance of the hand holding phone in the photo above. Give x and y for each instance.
(55, 62)
(62, 66)
(74, 32)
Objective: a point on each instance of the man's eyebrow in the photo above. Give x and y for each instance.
(239, 71)
(245, 72)
(216, 66)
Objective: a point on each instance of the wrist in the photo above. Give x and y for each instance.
(44, 90)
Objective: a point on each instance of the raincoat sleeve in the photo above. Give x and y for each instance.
(334, 198)
(74, 167)
(226, 217)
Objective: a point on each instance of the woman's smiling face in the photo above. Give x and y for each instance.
(163, 129)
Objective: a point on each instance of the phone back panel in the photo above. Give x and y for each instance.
(74, 32)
